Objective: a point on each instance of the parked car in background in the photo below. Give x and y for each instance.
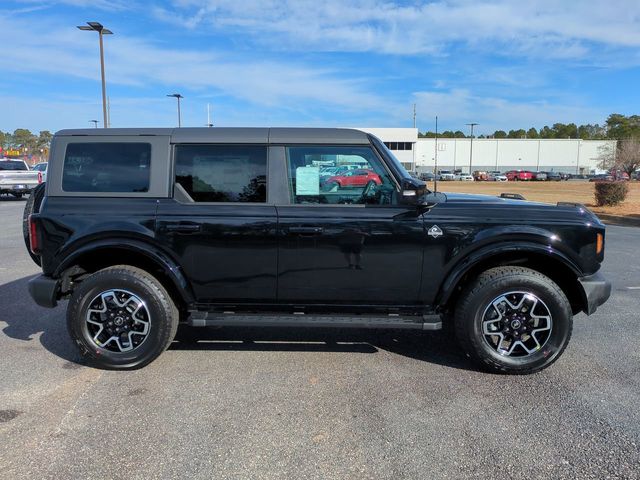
(429, 177)
(42, 168)
(519, 175)
(565, 176)
(619, 175)
(465, 177)
(16, 178)
(540, 176)
(602, 177)
(480, 176)
(553, 176)
(447, 175)
(496, 177)
(351, 178)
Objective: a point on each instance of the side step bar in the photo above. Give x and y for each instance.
(209, 319)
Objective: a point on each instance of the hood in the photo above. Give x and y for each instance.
(484, 199)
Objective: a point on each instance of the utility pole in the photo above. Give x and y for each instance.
(414, 115)
(435, 164)
(177, 96)
(98, 27)
(471, 146)
(209, 124)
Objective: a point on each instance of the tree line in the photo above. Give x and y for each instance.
(25, 141)
(616, 127)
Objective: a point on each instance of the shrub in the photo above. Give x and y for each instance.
(611, 193)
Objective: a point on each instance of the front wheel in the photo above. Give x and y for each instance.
(513, 320)
(121, 318)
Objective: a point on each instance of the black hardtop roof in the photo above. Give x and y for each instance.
(233, 134)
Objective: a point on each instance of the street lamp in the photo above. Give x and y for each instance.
(97, 27)
(95, 123)
(471, 146)
(178, 97)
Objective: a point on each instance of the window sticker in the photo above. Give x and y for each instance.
(308, 181)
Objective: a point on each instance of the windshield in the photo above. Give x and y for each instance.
(12, 165)
(41, 167)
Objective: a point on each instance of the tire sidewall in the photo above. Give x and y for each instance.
(160, 321)
(561, 318)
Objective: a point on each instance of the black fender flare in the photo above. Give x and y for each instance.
(168, 265)
(472, 259)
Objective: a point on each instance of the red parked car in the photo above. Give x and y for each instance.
(352, 178)
(522, 175)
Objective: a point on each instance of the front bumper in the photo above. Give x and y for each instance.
(596, 290)
(44, 291)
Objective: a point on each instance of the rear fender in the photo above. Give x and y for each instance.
(164, 262)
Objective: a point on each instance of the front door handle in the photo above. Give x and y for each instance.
(306, 230)
(182, 227)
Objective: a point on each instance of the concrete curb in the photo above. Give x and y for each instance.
(619, 220)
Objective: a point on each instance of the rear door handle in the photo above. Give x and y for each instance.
(306, 230)
(182, 227)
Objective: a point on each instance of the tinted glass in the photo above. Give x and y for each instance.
(107, 167)
(338, 175)
(41, 167)
(12, 165)
(223, 173)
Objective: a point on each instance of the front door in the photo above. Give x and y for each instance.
(219, 224)
(345, 242)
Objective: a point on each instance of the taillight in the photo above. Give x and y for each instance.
(39, 177)
(34, 244)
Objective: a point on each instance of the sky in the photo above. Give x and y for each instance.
(505, 64)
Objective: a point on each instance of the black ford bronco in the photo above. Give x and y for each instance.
(144, 229)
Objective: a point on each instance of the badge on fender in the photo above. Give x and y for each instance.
(435, 232)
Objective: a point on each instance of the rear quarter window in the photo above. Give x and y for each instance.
(107, 167)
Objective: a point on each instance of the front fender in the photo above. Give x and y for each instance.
(471, 259)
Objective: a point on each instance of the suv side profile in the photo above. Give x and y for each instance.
(145, 229)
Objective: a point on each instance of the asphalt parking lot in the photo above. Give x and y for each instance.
(242, 403)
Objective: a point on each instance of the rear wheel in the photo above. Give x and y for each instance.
(513, 320)
(121, 318)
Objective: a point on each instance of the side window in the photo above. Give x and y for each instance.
(223, 173)
(107, 167)
(338, 175)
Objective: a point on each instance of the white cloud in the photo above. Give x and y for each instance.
(455, 108)
(138, 63)
(536, 27)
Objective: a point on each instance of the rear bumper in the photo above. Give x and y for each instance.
(44, 291)
(596, 291)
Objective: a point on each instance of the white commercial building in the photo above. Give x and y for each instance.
(559, 155)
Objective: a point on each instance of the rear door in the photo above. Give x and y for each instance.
(353, 245)
(219, 223)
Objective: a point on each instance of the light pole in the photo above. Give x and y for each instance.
(471, 146)
(178, 97)
(95, 123)
(98, 27)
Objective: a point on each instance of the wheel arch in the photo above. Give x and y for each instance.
(541, 258)
(102, 254)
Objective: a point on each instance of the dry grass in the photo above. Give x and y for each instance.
(551, 192)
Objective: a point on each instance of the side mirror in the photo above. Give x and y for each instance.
(412, 190)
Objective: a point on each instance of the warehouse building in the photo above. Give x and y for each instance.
(560, 155)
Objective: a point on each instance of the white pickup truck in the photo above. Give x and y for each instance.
(16, 178)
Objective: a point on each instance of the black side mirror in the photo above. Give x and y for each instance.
(412, 190)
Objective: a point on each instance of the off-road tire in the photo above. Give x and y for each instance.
(489, 285)
(164, 316)
(32, 206)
